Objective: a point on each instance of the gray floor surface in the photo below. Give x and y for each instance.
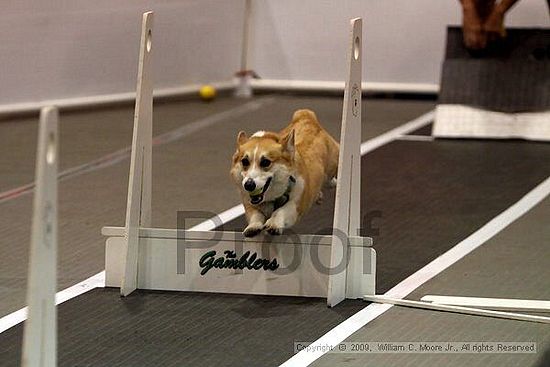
(189, 174)
(513, 264)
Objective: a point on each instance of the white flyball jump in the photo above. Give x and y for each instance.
(40, 330)
(337, 266)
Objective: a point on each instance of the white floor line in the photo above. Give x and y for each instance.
(391, 135)
(98, 280)
(369, 313)
(14, 318)
(224, 217)
(416, 137)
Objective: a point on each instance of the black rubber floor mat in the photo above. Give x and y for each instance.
(423, 197)
(151, 328)
(512, 75)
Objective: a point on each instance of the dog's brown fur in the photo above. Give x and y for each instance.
(483, 22)
(303, 150)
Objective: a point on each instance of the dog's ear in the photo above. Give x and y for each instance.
(288, 142)
(241, 138)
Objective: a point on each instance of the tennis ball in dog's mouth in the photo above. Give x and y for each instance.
(256, 192)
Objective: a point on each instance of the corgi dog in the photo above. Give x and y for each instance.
(280, 175)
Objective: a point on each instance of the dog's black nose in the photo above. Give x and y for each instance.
(250, 185)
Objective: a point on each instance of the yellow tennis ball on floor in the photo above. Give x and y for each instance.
(207, 92)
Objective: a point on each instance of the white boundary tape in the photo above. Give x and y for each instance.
(478, 238)
(399, 131)
(95, 281)
(98, 280)
(416, 138)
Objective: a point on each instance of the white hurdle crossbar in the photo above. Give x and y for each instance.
(337, 266)
(40, 329)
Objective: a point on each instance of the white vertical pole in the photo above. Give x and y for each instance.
(347, 203)
(39, 338)
(246, 31)
(138, 209)
(244, 88)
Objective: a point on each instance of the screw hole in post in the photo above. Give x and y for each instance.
(356, 48)
(149, 41)
(51, 149)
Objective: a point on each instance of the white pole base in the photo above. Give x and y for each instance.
(243, 88)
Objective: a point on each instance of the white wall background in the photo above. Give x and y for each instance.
(79, 48)
(75, 48)
(403, 42)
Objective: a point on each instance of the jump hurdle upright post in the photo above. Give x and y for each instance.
(348, 190)
(138, 209)
(227, 262)
(40, 330)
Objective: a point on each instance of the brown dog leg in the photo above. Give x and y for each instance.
(474, 35)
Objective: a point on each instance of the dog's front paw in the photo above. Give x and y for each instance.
(273, 228)
(253, 229)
